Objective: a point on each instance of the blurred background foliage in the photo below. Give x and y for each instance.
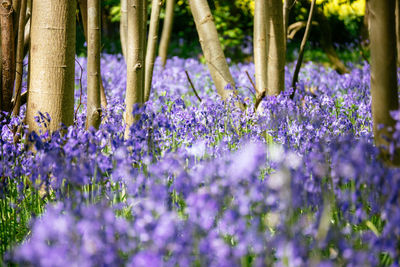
(234, 22)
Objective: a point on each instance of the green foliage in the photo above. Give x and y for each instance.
(16, 211)
(233, 25)
(234, 22)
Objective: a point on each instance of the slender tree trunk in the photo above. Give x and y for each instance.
(364, 26)
(83, 5)
(166, 32)
(325, 37)
(144, 32)
(287, 5)
(135, 60)
(302, 48)
(123, 26)
(16, 4)
(211, 47)
(384, 92)
(93, 111)
(8, 53)
(398, 31)
(276, 48)
(27, 37)
(151, 47)
(52, 65)
(260, 45)
(20, 58)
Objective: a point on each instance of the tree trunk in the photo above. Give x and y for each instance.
(27, 37)
(93, 111)
(52, 68)
(260, 45)
(8, 54)
(287, 5)
(135, 60)
(123, 26)
(166, 32)
(83, 7)
(20, 57)
(302, 48)
(27, 31)
(384, 92)
(276, 48)
(364, 27)
(144, 32)
(211, 47)
(16, 4)
(151, 47)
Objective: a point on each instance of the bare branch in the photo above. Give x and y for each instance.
(191, 85)
(302, 46)
(252, 83)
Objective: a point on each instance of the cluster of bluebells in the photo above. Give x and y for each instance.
(203, 183)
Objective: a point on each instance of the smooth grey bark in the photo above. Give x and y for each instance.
(20, 58)
(135, 60)
(384, 91)
(211, 47)
(52, 63)
(7, 54)
(276, 48)
(260, 45)
(166, 32)
(123, 26)
(151, 47)
(93, 111)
